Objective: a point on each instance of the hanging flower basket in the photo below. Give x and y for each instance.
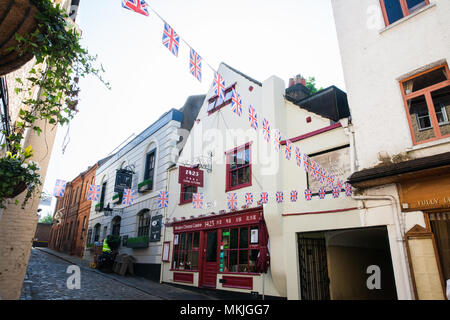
(18, 189)
(117, 198)
(16, 17)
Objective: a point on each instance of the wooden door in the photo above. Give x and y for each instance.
(209, 266)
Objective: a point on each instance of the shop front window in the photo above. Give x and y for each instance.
(186, 251)
(239, 249)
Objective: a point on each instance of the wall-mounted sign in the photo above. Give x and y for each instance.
(124, 178)
(190, 176)
(155, 229)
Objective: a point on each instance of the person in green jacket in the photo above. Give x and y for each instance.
(106, 247)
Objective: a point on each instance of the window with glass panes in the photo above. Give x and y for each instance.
(150, 166)
(239, 168)
(394, 10)
(187, 193)
(186, 251)
(144, 223)
(238, 252)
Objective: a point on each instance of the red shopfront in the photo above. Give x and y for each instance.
(225, 246)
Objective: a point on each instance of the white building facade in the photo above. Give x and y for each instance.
(395, 58)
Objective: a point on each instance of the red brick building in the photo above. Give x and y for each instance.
(71, 217)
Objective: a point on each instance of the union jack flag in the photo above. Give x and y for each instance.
(298, 156)
(139, 6)
(277, 140)
(348, 190)
(323, 176)
(306, 162)
(236, 103)
(317, 171)
(163, 199)
(93, 192)
(264, 197)
(322, 193)
(60, 188)
(340, 184)
(170, 39)
(128, 196)
(266, 130)
(294, 196)
(232, 201)
(195, 64)
(330, 181)
(219, 85)
(197, 200)
(252, 117)
(249, 199)
(288, 150)
(336, 192)
(280, 196)
(308, 194)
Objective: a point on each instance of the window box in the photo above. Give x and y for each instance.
(138, 242)
(99, 207)
(145, 186)
(117, 198)
(90, 247)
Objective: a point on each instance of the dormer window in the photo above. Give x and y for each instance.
(216, 102)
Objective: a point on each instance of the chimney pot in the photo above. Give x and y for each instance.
(291, 82)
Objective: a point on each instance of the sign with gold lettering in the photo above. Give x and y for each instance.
(425, 194)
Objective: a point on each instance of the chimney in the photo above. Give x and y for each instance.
(297, 89)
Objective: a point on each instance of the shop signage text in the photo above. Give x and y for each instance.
(190, 176)
(218, 222)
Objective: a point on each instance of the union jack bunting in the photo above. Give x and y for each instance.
(348, 190)
(298, 156)
(340, 184)
(308, 194)
(93, 192)
(60, 188)
(288, 150)
(195, 65)
(170, 39)
(252, 117)
(163, 199)
(330, 181)
(197, 200)
(323, 176)
(128, 197)
(219, 85)
(280, 196)
(322, 193)
(139, 6)
(336, 192)
(306, 162)
(266, 130)
(277, 140)
(236, 103)
(294, 196)
(264, 197)
(249, 199)
(317, 171)
(232, 201)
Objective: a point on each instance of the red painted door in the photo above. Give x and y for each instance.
(209, 265)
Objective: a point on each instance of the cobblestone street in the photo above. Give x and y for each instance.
(46, 280)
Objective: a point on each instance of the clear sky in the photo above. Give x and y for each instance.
(260, 38)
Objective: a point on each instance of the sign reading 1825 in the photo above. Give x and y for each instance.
(190, 176)
(123, 180)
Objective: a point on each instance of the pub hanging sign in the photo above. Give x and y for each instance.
(123, 180)
(190, 176)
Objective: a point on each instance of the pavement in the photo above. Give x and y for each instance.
(47, 278)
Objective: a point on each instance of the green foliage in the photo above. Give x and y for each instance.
(311, 85)
(113, 241)
(145, 183)
(47, 219)
(89, 245)
(60, 62)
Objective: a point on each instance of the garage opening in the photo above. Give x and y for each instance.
(351, 264)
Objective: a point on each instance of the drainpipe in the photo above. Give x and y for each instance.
(399, 234)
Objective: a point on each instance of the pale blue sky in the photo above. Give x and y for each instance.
(260, 38)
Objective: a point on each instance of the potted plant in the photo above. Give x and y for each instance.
(138, 242)
(113, 242)
(117, 198)
(17, 174)
(99, 207)
(145, 185)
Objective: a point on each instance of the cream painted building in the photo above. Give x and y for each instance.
(395, 58)
(319, 248)
(18, 226)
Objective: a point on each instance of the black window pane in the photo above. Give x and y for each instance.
(194, 262)
(414, 5)
(196, 239)
(243, 261)
(189, 241)
(394, 10)
(234, 238)
(243, 238)
(233, 265)
(252, 260)
(182, 241)
(211, 247)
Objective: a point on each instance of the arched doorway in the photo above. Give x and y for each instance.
(115, 226)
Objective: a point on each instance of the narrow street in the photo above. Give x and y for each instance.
(47, 276)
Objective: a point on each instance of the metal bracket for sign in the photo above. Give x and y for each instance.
(202, 162)
(130, 168)
(108, 211)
